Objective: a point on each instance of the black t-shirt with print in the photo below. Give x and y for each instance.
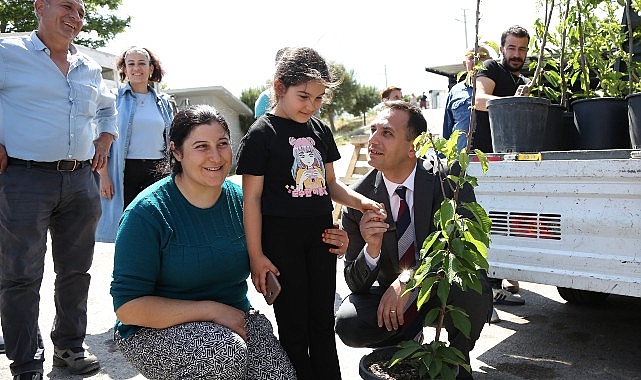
(292, 187)
(505, 84)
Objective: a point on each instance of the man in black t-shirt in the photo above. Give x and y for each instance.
(500, 79)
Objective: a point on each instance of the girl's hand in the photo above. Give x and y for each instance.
(370, 205)
(338, 238)
(260, 265)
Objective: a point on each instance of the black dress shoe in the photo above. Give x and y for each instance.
(33, 375)
(1, 345)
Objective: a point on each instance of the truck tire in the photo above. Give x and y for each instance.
(582, 297)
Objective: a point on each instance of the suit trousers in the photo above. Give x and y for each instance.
(357, 326)
(304, 309)
(34, 201)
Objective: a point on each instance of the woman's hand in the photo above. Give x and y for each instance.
(106, 187)
(338, 238)
(260, 265)
(232, 318)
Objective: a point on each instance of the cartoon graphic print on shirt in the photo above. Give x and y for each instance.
(308, 170)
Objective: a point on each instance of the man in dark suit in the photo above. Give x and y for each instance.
(376, 315)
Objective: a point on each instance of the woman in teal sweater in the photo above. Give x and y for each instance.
(181, 265)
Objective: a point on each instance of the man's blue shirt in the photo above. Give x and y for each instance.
(261, 106)
(47, 116)
(457, 112)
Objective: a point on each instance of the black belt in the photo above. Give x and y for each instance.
(61, 166)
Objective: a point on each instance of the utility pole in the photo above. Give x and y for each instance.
(385, 75)
(464, 21)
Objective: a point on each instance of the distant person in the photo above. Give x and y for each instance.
(459, 100)
(391, 93)
(380, 261)
(388, 94)
(500, 79)
(57, 122)
(180, 268)
(413, 100)
(144, 118)
(286, 160)
(263, 103)
(423, 101)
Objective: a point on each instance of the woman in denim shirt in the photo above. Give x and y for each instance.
(144, 119)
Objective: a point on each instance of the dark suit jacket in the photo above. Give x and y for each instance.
(427, 199)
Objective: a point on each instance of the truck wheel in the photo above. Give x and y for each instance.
(582, 297)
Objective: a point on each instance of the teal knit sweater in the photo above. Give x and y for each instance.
(169, 248)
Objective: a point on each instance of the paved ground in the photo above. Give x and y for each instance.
(543, 339)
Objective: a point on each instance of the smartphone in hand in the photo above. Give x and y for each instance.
(273, 288)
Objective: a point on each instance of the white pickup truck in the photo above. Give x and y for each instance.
(568, 219)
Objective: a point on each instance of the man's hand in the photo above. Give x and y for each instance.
(523, 90)
(4, 159)
(390, 309)
(102, 145)
(372, 227)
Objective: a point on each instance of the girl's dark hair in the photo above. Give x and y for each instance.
(302, 64)
(156, 76)
(185, 120)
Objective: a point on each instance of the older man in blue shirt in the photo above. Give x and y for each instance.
(459, 101)
(57, 122)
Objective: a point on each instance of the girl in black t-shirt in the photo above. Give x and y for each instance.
(286, 160)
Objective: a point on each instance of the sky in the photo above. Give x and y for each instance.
(232, 43)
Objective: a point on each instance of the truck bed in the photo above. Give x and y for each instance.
(568, 219)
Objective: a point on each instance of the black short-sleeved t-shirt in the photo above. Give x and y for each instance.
(291, 157)
(505, 84)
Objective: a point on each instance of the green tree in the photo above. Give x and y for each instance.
(101, 24)
(365, 97)
(343, 96)
(249, 96)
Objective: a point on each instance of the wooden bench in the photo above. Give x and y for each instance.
(356, 169)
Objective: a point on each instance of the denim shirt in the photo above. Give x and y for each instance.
(457, 112)
(112, 209)
(47, 115)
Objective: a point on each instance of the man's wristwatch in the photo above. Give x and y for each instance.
(405, 276)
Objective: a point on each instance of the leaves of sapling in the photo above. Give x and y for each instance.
(464, 160)
(478, 231)
(447, 211)
(430, 240)
(425, 292)
(443, 291)
(435, 367)
(430, 316)
(479, 214)
(460, 319)
(480, 246)
(482, 160)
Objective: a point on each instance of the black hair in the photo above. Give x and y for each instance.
(516, 31)
(416, 123)
(300, 65)
(185, 120)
